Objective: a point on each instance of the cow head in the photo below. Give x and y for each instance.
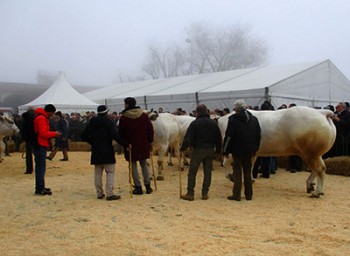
(8, 126)
(152, 115)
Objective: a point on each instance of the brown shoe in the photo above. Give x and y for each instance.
(188, 197)
(205, 197)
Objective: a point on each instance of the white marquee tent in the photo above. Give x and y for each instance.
(315, 84)
(63, 96)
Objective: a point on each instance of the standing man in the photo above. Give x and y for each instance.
(27, 118)
(42, 129)
(100, 133)
(135, 127)
(341, 121)
(203, 135)
(242, 140)
(61, 142)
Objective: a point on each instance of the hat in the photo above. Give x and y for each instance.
(102, 109)
(50, 108)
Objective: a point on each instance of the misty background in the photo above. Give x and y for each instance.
(100, 43)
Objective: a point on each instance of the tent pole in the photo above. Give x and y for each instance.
(145, 101)
(197, 100)
(267, 97)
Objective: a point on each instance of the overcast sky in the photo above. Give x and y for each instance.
(92, 41)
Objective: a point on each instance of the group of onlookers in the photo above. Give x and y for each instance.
(133, 131)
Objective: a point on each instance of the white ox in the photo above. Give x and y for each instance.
(7, 128)
(302, 131)
(169, 131)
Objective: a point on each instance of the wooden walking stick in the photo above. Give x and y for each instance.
(180, 176)
(130, 171)
(154, 176)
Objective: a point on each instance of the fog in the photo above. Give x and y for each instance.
(95, 41)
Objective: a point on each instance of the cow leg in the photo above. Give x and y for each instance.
(170, 161)
(160, 169)
(318, 169)
(161, 153)
(1, 147)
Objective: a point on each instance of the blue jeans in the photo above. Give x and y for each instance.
(40, 167)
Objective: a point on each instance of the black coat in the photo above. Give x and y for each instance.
(202, 133)
(242, 135)
(99, 133)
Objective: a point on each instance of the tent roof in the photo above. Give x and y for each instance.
(63, 96)
(235, 80)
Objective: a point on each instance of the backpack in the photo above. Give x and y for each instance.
(27, 131)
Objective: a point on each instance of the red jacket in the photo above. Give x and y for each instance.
(42, 127)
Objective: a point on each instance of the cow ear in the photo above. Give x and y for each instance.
(151, 110)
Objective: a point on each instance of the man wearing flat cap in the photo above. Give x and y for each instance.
(100, 133)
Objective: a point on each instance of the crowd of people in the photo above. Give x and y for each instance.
(133, 131)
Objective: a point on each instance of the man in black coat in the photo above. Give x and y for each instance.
(341, 121)
(99, 133)
(26, 119)
(203, 135)
(242, 140)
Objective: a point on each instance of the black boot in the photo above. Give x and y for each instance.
(149, 190)
(137, 190)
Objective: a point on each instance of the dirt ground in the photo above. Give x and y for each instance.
(280, 220)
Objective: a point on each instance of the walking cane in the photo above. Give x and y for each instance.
(154, 176)
(130, 171)
(180, 176)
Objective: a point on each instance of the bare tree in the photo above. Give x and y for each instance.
(215, 49)
(164, 62)
(207, 49)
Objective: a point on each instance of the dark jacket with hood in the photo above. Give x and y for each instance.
(100, 133)
(242, 134)
(202, 133)
(137, 129)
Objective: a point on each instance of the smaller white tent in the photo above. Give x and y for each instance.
(63, 96)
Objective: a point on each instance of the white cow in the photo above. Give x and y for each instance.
(169, 131)
(166, 134)
(184, 122)
(7, 128)
(302, 131)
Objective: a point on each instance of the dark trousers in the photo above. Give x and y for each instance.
(242, 163)
(40, 167)
(295, 163)
(205, 156)
(29, 158)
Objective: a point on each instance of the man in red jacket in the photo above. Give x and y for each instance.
(42, 129)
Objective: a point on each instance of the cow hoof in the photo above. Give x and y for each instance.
(170, 164)
(186, 164)
(310, 188)
(313, 195)
(160, 178)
